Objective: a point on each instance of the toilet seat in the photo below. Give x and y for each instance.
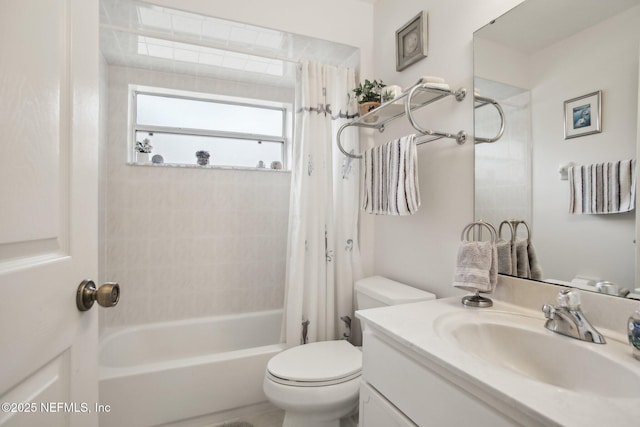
(317, 364)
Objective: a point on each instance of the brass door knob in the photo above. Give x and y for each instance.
(107, 295)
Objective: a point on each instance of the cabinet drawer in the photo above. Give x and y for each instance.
(425, 397)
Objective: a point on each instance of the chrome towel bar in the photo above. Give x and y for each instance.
(481, 101)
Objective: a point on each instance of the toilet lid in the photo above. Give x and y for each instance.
(317, 362)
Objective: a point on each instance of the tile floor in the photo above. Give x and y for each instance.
(266, 419)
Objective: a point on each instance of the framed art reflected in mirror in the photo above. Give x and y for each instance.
(583, 115)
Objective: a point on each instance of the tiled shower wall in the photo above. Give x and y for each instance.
(190, 242)
(503, 171)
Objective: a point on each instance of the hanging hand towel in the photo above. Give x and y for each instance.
(390, 178)
(476, 266)
(522, 259)
(534, 265)
(602, 188)
(503, 248)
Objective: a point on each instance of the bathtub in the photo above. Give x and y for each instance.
(167, 372)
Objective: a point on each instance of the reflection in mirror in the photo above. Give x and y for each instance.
(531, 60)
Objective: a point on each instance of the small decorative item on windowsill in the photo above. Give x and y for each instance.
(143, 148)
(369, 97)
(203, 157)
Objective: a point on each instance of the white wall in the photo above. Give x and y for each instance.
(503, 170)
(501, 63)
(190, 242)
(421, 250)
(603, 57)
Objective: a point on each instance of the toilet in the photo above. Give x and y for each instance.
(317, 384)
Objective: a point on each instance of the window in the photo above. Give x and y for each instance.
(235, 132)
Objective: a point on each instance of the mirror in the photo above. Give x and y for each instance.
(532, 60)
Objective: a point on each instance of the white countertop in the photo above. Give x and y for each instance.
(415, 327)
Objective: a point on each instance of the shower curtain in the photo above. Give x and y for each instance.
(323, 256)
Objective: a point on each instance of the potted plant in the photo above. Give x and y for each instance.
(369, 95)
(143, 148)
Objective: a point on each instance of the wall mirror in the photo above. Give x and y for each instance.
(532, 61)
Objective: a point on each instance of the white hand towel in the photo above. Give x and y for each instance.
(522, 263)
(476, 266)
(602, 188)
(430, 79)
(433, 82)
(503, 248)
(534, 264)
(390, 178)
(514, 259)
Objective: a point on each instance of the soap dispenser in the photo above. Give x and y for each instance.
(634, 333)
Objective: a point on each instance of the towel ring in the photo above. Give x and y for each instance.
(480, 223)
(525, 226)
(511, 230)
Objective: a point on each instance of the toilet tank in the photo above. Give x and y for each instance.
(378, 291)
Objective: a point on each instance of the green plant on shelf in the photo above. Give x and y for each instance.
(370, 91)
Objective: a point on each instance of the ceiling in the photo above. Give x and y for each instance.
(141, 35)
(527, 18)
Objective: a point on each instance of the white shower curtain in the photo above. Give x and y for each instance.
(323, 257)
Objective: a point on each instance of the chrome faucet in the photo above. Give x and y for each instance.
(567, 319)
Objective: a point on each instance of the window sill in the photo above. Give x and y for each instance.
(218, 167)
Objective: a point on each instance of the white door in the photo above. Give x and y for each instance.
(48, 210)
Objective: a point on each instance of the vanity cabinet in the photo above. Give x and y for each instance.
(438, 363)
(402, 389)
(376, 411)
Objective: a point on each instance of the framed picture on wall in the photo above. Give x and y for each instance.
(583, 115)
(411, 41)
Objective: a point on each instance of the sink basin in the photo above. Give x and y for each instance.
(520, 344)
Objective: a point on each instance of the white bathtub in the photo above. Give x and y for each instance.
(171, 371)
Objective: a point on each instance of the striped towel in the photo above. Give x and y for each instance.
(390, 178)
(602, 188)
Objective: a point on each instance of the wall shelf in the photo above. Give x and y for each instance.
(414, 98)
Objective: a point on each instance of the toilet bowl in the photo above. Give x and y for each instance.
(317, 384)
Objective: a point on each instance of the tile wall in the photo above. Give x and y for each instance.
(189, 242)
(503, 171)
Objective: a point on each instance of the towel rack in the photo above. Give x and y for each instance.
(417, 96)
(476, 300)
(480, 223)
(481, 101)
(513, 228)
